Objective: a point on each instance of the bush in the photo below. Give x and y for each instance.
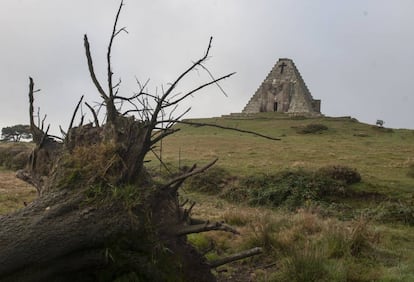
(291, 189)
(14, 156)
(394, 211)
(235, 194)
(210, 182)
(19, 161)
(311, 128)
(342, 173)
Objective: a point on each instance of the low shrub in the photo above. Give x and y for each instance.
(210, 182)
(287, 188)
(311, 128)
(14, 156)
(393, 211)
(235, 194)
(19, 161)
(291, 189)
(340, 172)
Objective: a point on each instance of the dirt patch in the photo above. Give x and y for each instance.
(14, 192)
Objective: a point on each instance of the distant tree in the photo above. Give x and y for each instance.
(380, 123)
(16, 132)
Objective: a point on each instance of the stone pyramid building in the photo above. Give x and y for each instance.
(284, 91)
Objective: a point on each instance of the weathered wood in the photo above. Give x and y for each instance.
(235, 257)
(30, 235)
(204, 227)
(36, 132)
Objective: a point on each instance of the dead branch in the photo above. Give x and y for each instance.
(44, 137)
(161, 161)
(190, 173)
(81, 121)
(74, 114)
(234, 257)
(198, 89)
(36, 131)
(269, 265)
(195, 221)
(91, 69)
(212, 78)
(95, 116)
(117, 85)
(187, 212)
(194, 65)
(43, 122)
(108, 54)
(178, 184)
(62, 131)
(211, 247)
(164, 133)
(135, 111)
(109, 102)
(162, 101)
(38, 118)
(183, 203)
(227, 128)
(204, 227)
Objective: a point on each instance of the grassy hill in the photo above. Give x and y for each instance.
(357, 231)
(383, 156)
(371, 227)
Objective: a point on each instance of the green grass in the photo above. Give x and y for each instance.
(365, 236)
(317, 245)
(383, 158)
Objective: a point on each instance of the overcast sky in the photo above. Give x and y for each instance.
(357, 56)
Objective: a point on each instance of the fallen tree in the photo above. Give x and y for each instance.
(100, 216)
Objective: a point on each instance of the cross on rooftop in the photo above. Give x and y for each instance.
(282, 66)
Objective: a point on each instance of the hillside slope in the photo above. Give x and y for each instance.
(366, 235)
(382, 156)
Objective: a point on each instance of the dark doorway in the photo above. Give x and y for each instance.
(275, 107)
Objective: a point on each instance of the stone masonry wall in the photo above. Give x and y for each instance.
(283, 90)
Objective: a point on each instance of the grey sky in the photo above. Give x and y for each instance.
(356, 55)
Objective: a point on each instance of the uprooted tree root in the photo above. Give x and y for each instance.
(83, 230)
(99, 215)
